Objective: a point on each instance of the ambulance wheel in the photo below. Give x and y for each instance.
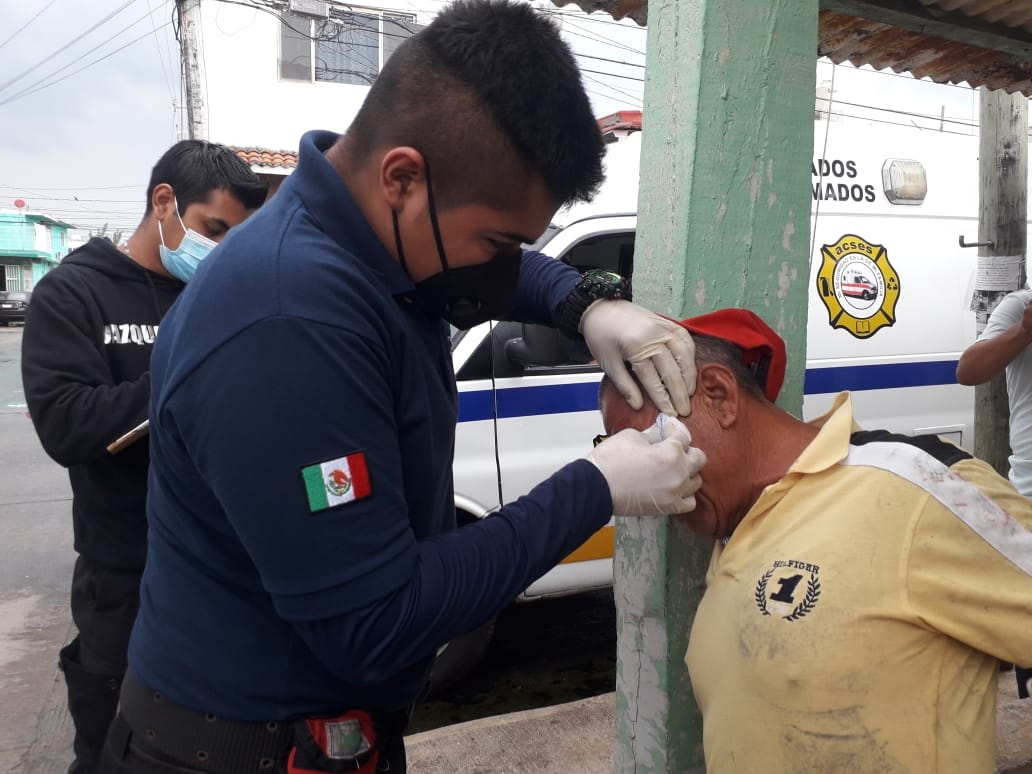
(458, 658)
(866, 295)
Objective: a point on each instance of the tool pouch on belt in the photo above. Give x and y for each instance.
(343, 743)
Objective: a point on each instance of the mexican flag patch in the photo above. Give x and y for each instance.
(336, 482)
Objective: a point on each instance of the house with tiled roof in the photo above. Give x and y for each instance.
(272, 166)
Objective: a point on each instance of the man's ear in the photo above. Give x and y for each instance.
(402, 176)
(717, 393)
(162, 200)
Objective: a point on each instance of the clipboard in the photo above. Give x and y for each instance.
(133, 435)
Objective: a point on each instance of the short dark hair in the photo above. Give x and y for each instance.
(195, 168)
(710, 350)
(488, 93)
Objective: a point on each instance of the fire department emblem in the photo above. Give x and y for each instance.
(789, 590)
(858, 286)
(338, 483)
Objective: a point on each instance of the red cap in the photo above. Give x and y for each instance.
(764, 349)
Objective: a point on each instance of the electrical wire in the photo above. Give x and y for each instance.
(84, 67)
(75, 188)
(38, 13)
(591, 35)
(28, 89)
(63, 48)
(630, 24)
(613, 75)
(161, 54)
(334, 37)
(872, 71)
(636, 98)
(614, 61)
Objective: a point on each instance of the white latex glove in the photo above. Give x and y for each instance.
(653, 472)
(661, 353)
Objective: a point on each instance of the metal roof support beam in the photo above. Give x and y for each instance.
(914, 17)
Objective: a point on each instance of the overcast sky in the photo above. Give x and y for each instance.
(97, 132)
(79, 145)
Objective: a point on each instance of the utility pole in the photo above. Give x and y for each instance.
(1002, 238)
(193, 67)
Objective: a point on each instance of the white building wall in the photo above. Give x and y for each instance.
(246, 101)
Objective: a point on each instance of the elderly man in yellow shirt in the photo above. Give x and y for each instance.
(863, 588)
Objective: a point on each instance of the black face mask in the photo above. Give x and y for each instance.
(469, 295)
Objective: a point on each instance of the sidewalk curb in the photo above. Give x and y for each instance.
(577, 738)
(572, 738)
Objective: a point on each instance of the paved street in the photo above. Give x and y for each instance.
(35, 501)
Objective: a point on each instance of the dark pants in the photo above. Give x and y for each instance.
(104, 605)
(1024, 682)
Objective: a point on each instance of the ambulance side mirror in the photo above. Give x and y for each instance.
(539, 346)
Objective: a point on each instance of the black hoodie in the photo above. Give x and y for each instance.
(86, 353)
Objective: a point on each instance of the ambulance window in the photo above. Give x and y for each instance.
(514, 349)
(612, 252)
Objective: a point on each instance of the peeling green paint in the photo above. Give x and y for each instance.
(723, 208)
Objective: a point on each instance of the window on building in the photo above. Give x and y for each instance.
(13, 276)
(348, 47)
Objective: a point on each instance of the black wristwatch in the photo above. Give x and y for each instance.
(594, 285)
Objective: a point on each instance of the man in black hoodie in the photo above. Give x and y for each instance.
(86, 371)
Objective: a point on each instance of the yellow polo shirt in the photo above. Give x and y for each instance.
(855, 619)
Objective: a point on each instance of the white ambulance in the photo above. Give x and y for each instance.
(889, 294)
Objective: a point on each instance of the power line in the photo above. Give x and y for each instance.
(562, 13)
(601, 38)
(84, 67)
(911, 78)
(38, 13)
(76, 188)
(635, 97)
(609, 75)
(161, 53)
(928, 116)
(613, 61)
(28, 89)
(83, 201)
(72, 42)
(910, 125)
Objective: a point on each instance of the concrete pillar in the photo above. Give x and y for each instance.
(724, 213)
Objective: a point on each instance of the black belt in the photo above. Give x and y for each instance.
(154, 725)
(199, 740)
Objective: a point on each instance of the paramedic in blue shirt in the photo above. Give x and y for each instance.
(303, 563)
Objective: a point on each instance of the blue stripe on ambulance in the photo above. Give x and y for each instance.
(583, 396)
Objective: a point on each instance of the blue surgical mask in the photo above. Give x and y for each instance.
(182, 262)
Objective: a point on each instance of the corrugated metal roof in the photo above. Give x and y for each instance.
(983, 42)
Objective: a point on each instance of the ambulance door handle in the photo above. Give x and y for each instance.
(974, 244)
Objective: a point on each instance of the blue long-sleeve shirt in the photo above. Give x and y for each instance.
(303, 555)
